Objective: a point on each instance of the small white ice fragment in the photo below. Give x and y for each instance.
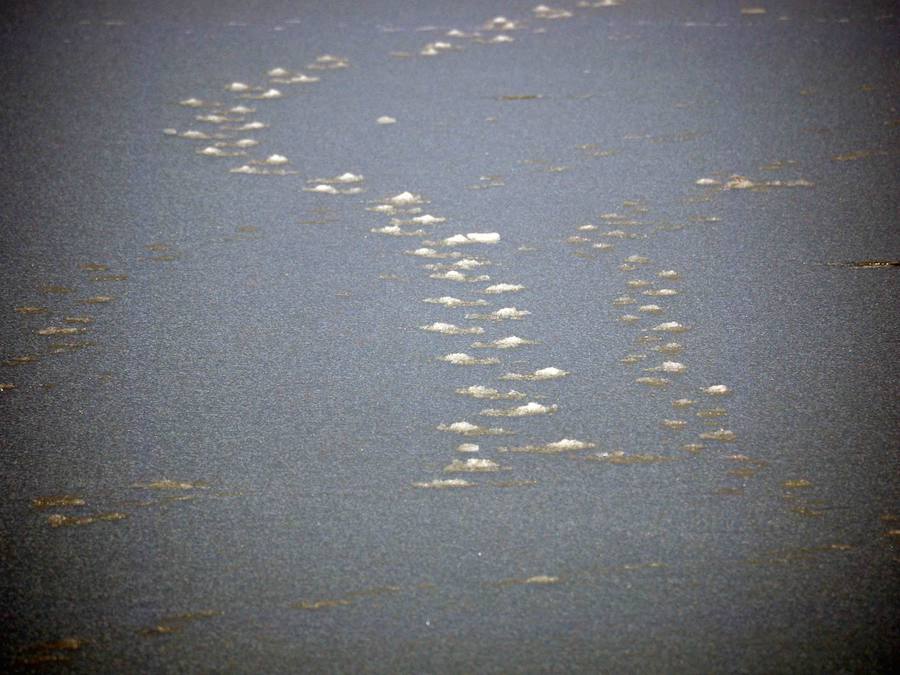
(503, 288)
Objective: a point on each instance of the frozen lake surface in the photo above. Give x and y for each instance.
(410, 337)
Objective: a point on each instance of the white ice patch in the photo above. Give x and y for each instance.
(443, 484)
(620, 234)
(661, 292)
(271, 93)
(545, 12)
(252, 126)
(425, 252)
(428, 219)
(472, 238)
(463, 359)
(405, 199)
(469, 264)
(529, 409)
(194, 135)
(343, 179)
(452, 329)
(471, 465)
(192, 103)
(238, 87)
(329, 62)
(468, 429)
(669, 348)
(456, 275)
(706, 182)
(510, 342)
(503, 288)
(276, 159)
(435, 48)
(287, 77)
(302, 78)
(654, 381)
(326, 189)
(254, 169)
(386, 119)
(670, 327)
(467, 447)
(549, 373)
(392, 230)
(451, 302)
(556, 447)
(501, 23)
(673, 367)
(541, 579)
(722, 435)
(650, 309)
(502, 314)
(213, 119)
(717, 390)
(219, 152)
(667, 274)
(481, 392)
(744, 183)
